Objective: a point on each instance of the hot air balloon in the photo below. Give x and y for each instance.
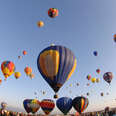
(55, 96)
(107, 109)
(97, 80)
(77, 84)
(88, 84)
(80, 103)
(19, 57)
(47, 105)
(8, 68)
(31, 76)
(87, 94)
(56, 64)
(3, 105)
(93, 80)
(107, 93)
(108, 77)
(28, 70)
(17, 75)
(31, 105)
(53, 12)
(102, 94)
(64, 104)
(70, 85)
(24, 52)
(40, 24)
(114, 38)
(88, 77)
(98, 71)
(95, 53)
(0, 80)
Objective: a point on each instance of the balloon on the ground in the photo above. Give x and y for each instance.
(88, 77)
(56, 64)
(80, 103)
(47, 105)
(53, 12)
(8, 68)
(64, 104)
(108, 76)
(40, 23)
(31, 105)
(3, 105)
(93, 80)
(28, 70)
(17, 75)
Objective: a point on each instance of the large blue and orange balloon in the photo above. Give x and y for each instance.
(8, 68)
(64, 104)
(31, 105)
(108, 77)
(47, 105)
(56, 64)
(80, 103)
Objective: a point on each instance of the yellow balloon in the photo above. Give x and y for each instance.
(93, 80)
(40, 24)
(17, 75)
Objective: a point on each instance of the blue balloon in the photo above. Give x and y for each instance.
(64, 104)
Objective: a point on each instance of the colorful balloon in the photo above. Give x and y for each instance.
(88, 77)
(108, 76)
(56, 64)
(17, 75)
(55, 96)
(8, 68)
(80, 103)
(53, 12)
(40, 24)
(0, 80)
(31, 105)
(47, 105)
(24, 52)
(64, 104)
(93, 80)
(98, 71)
(28, 70)
(31, 76)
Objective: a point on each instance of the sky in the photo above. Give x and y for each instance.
(83, 26)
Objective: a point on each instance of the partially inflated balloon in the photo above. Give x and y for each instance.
(3, 105)
(31, 105)
(64, 104)
(40, 24)
(108, 77)
(8, 68)
(56, 64)
(80, 103)
(53, 12)
(28, 70)
(17, 75)
(93, 80)
(47, 105)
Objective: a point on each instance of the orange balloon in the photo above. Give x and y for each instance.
(32, 75)
(28, 71)
(40, 24)
(24, 52)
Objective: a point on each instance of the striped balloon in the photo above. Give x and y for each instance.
(47, 105)
(80, 103)
(56, 64)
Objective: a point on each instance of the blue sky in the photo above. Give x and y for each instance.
(82, 25)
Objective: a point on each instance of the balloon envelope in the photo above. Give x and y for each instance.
(53, 12)
(56, 64)
(93, 80)
(31, 105)
(17, 75)
(28, 70)
(80, 103)
(47, 105)
(64, 104)
(108, 77)
(40, 24)
(8, 68)
(88, 77)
